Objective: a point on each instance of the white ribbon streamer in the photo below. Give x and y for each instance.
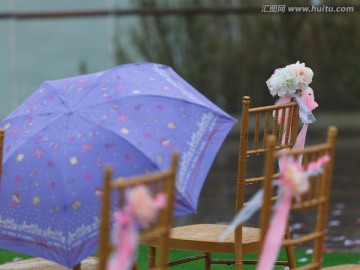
(246, 212)
(305, 113)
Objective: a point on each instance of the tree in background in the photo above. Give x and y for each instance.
(228, 56)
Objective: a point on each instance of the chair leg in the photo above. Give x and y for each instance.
(207, 261)
(239, 265)
(151, 257)
(290, 252)
(77, 267)
(239, 261)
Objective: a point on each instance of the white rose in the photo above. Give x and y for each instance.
(303, 73)
(282, 82)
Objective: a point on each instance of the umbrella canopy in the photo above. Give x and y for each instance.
(59, 140)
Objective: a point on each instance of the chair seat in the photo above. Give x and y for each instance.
(41, 264)
(204, 237)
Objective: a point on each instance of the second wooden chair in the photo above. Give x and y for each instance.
(306, 179)
(278, 120)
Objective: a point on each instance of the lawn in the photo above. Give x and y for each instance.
(330, 259)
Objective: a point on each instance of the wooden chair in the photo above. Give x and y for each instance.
(282, 122)
(163, 181)
(312, 205)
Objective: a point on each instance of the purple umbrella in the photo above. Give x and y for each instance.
(59, 140)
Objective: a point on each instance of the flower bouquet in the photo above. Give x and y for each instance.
(293, 81)
(289, 80)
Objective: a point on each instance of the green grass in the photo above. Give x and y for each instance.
(330, 259)
(8, 256)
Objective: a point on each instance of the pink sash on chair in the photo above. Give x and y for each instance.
(142, 210)
(293, 182)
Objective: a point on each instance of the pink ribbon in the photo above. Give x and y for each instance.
(142, 209)
(277, 227)
(127, 241)
(309, 101)
(306, 105)
(275, 234)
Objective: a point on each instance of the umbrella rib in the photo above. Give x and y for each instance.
(157, 97)
(25, 141)
(95, 84)
(15, 115)
(137, 149)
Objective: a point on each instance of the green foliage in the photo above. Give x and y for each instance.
(228, 56)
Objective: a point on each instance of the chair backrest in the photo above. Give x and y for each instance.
(157, 182)
(312, 205)
(256, 125)
(2, 136)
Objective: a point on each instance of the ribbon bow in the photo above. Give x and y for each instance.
(306, 104)
(141, 208)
